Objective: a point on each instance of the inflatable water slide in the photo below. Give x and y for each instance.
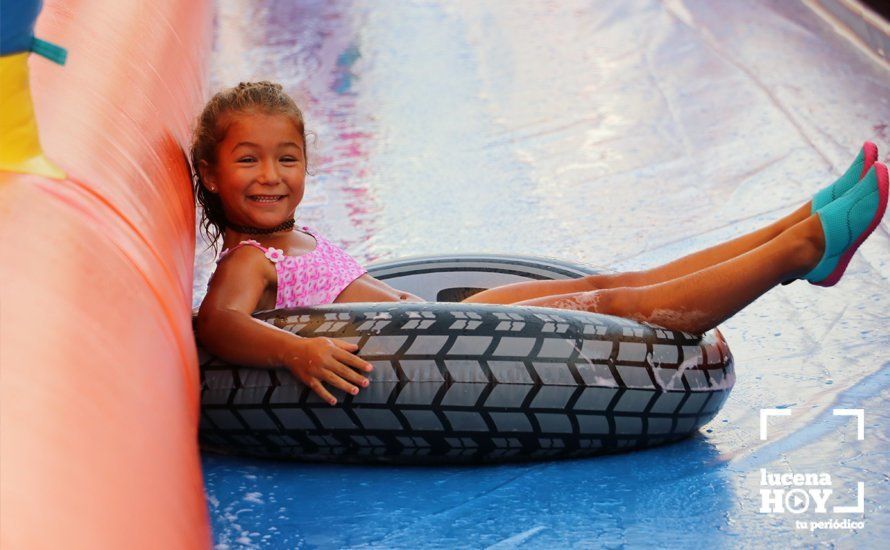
(99, 404)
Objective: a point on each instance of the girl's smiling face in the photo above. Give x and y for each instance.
(260, 169)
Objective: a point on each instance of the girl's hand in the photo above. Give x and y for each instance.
(320, 360)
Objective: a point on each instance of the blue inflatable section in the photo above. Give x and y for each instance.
(17, 25)
(17, 31)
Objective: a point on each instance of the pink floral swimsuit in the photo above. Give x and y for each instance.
(312, 279)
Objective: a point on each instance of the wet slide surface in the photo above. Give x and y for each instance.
(611, 133)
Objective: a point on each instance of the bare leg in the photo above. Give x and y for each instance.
(699, 301)
(697, 261)
(722, 252)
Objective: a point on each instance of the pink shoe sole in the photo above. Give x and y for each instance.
(883, 185)
(871, 157)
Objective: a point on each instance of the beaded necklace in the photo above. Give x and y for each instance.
(289, 224)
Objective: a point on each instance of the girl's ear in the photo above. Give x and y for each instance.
(207, 176)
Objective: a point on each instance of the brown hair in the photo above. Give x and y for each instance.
(263, 96)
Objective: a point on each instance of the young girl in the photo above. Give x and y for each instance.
(250, 157)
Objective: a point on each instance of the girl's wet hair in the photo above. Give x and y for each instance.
(265, 97)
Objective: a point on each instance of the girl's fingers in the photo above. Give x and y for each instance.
(343, 344)
(338, 382)
(352, 360)
(316, 386)
(349, 374)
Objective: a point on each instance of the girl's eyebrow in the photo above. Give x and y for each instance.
(282, 144)
(244, 143)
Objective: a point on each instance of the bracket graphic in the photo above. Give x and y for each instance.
(860, 419)
(859, 508)
(766, 413)
(858, 413)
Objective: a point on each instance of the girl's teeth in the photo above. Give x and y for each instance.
(265, 199)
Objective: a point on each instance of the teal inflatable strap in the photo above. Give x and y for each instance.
(56, 54)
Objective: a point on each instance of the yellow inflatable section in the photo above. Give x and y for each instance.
(19, 143)
(98, 369)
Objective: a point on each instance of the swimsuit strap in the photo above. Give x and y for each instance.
(274, 254)
(250, 242)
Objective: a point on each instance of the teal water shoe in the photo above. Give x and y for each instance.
(867, 156)
(847, 222)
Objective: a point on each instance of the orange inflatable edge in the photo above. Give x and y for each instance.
(98, 369)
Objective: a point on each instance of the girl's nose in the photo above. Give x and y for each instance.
(269, 173)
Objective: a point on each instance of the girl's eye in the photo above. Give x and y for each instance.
(246, 159)
(288, 159)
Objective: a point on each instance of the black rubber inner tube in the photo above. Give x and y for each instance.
(471, 383)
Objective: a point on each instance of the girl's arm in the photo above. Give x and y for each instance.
(227, 330)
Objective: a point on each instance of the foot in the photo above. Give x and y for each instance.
(847, 222)
(867, 156)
